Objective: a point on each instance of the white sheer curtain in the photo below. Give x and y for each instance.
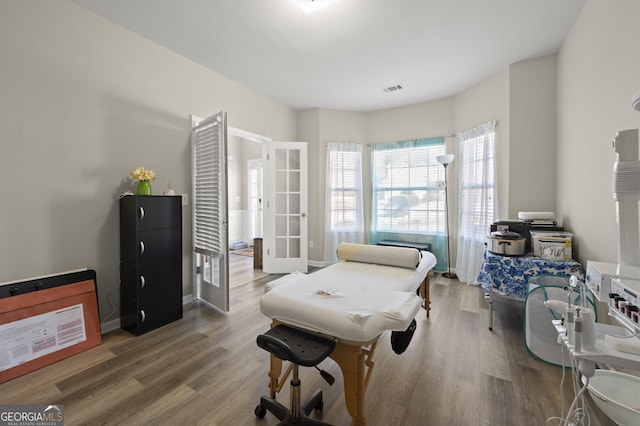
(478, 201)
(344, 217)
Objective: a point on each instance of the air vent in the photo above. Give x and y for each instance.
(392, 88)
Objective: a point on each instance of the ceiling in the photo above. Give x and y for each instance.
(343, 56)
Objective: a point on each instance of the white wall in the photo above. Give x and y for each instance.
(488, 101)
(522, 99)
(84, 102)
(423, 120)
(532, 136)
(598, 71)
(317, 127)
(309, 131)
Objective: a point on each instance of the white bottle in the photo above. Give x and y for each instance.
(577, 345)
(569, 326)
(588, 330)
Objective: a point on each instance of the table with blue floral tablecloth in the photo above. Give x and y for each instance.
(510, 275)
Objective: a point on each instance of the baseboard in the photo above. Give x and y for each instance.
(109, 326)
(317, 264)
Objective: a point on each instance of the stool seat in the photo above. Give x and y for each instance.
(297, 346)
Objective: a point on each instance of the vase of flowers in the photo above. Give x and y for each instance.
(144, 178)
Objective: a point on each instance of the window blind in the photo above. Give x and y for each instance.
(406, 196)
(344, 187)
(209, 185)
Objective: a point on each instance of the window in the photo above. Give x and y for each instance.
(477, 191)
(477, 206)
(406, 196)
(344, 221)
(344, 187)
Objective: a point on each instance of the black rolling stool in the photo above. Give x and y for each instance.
(300, 348)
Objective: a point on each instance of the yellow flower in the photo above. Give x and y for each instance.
(141, 173)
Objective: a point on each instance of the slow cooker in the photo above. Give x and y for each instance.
(506, 243)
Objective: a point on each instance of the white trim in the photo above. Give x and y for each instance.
(232, 131)
(109, 326)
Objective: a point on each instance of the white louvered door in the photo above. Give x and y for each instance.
(210, 211)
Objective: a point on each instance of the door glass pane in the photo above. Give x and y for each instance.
(281, 226)
(294, 226)
(294, 181)
(294, 159)
(207, 275)
(281, 181)
(281, 159)
(281, 203)
(281, 248)
(294, 203)
(294, 248)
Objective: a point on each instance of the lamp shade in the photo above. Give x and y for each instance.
(445, 159)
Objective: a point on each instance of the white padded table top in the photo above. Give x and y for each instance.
(349, 300)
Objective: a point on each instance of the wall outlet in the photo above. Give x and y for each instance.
(310, 244)
(185, 199)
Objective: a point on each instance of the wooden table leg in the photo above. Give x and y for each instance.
(425, 293)
(356, 365)
(275, 369)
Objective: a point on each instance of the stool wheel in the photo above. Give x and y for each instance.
(260, 411)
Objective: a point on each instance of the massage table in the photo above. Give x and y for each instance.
(372, 290)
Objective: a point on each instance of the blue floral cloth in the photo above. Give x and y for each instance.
(510, 275)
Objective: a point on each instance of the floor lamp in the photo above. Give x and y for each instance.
(445, 160)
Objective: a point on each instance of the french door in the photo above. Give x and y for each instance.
(285, 242)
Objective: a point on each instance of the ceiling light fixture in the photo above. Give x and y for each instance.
(310, 6)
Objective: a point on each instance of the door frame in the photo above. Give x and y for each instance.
(263, 140)
(256, 216)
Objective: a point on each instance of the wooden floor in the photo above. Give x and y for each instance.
(207, 370)
(242, 270)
